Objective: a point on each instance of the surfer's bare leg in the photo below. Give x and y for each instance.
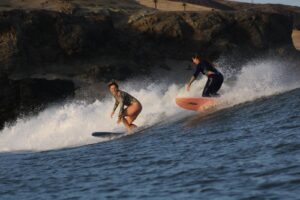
(131, 113)
(129, 127)
(126, 124)
(130, 119)
(127, 121)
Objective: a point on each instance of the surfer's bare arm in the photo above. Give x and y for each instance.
(190, 83)
(114, 109)
(121, 109)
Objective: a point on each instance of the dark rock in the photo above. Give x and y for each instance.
(34, 92)
(209, 3)
(106, 73)
(32, 39)
(167, 25)
(30, 95)
(216, 32)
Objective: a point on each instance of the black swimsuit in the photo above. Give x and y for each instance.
(214, 81)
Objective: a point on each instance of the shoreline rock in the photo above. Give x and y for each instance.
(30, 96)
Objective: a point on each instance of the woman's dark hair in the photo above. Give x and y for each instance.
(113, 83)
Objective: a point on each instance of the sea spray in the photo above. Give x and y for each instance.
(72, 124)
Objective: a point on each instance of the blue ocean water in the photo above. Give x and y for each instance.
(248, 151)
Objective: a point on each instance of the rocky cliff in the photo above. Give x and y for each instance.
(32, 42)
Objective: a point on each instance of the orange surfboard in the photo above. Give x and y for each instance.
(196, 104)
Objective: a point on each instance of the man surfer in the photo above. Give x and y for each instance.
(215, 78)
(126, 114)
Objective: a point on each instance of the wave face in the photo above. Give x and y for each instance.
(71, 124)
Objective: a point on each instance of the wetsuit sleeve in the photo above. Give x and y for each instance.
(116, 105)
(121, 105)
(197, 72)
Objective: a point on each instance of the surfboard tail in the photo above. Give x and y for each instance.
(195, 104)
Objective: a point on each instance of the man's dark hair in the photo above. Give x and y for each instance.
(196, 55)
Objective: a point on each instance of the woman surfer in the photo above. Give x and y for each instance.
(130, 107)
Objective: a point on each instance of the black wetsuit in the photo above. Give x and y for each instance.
(214, 81)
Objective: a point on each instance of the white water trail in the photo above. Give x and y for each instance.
(71, 124)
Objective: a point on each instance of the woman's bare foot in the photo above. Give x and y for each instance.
(132, 127)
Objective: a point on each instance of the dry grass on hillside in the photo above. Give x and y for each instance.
(296, 39)
(95, 5)
(166, 5)
(59, 5)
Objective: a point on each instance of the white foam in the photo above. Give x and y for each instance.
(260, 79)
(72, 124)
